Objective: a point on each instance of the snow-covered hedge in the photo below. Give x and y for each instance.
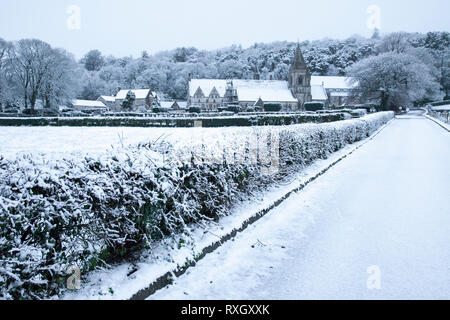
(56, 213)
(182, 122)
(440, 115)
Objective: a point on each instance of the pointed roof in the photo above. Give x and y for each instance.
(318, 93)
(298, 62)
(259, 103)
(107, 98)
(199, 92)
(214, 91)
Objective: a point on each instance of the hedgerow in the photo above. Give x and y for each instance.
(174, 122)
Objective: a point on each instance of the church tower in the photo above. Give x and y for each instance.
(300, 78)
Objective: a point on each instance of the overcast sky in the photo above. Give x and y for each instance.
(128, 27)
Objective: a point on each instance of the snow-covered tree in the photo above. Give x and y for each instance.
(376, 34)
(4, 47)
(93, 86)
(61, 83)
(445, 73)
(397, 79)
(439, 45)
(129, 100)
(30, 62)
(93, 60)
(397, 42)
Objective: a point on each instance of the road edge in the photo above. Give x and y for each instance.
(439, 123)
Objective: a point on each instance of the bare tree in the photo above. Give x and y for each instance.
(4, 47)
(61, 83)
(445, 73)
(93, 60)
(30, 62)
(395, 79)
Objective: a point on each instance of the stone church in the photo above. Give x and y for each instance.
(211, 94)
(300, 78)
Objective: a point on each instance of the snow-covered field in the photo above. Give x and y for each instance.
(382, 214)
(95, 140)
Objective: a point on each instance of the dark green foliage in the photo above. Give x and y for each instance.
(313, 106)
(128, 103)
(235, 109)
(274, 107)
(440, 103)
(160, 110)
(93, 60)
(195, 110)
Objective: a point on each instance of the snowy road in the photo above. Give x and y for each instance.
(387, 206)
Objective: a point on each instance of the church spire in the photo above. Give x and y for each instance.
(300, 78)
(298, 62)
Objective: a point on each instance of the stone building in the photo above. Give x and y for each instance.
(339, 90)
(108, 101)
(211, 94)
(143, 99)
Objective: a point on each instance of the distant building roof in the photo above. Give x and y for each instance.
(182, 104)
(171, 104)
(333, 82)
(318, 93)
(88, 103)
(140, 93)
(247, 90)
(108, 98)
(340, 94)
(166, 104)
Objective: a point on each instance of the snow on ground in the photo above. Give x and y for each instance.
(386, 206)
(93, 140)
(446, 126)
